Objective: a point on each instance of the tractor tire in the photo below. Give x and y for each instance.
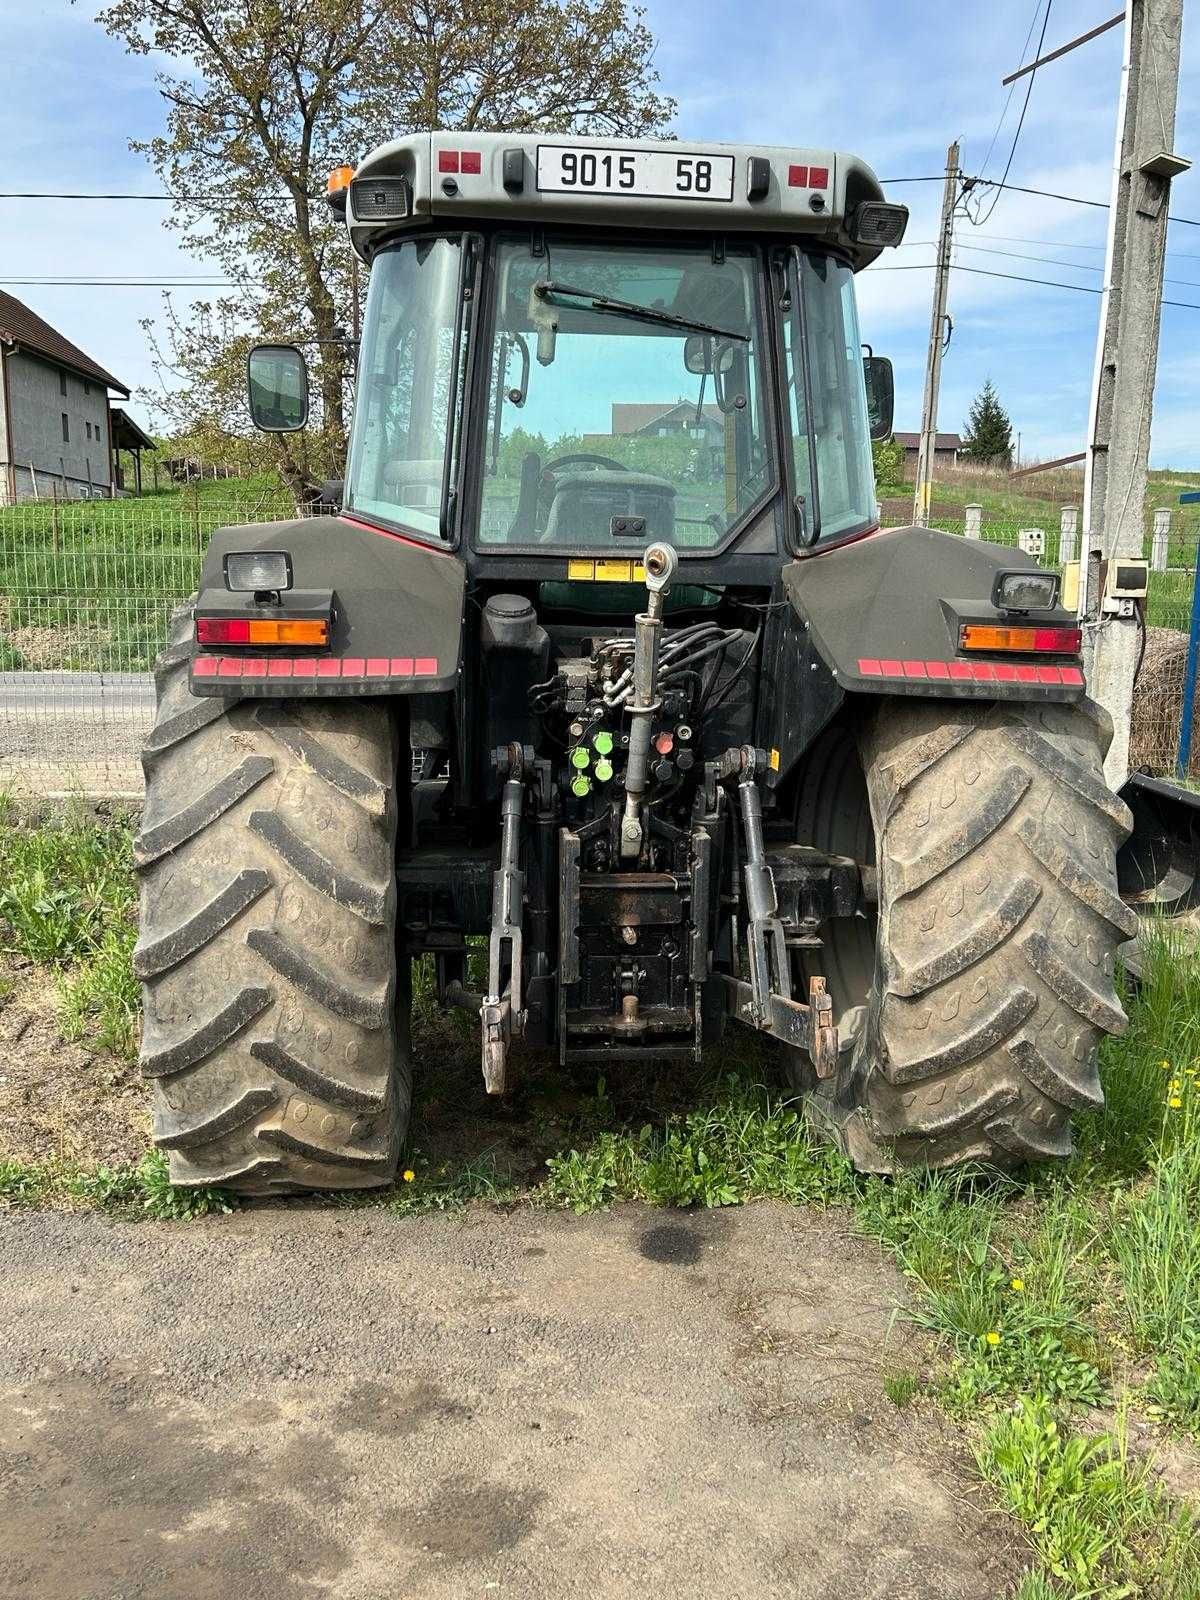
(998, 921)
(276, 1014)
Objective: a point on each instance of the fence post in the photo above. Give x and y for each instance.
(1161, 539)
(1184, 755)
(1068, 533)
(972, 522)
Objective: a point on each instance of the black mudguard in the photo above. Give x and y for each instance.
(397, 613)
(883, 613)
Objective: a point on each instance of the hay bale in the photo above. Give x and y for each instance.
(1158, 705)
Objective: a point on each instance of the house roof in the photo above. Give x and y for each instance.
(633, 416)
(126, 435)
(21, 326)
(944, 441)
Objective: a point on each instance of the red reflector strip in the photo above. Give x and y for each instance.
(447, 160)
(797, 177)
(818, 177)
(972, 671)
(472, 161)
(311, 667)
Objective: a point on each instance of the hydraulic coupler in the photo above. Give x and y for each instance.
(660, 562)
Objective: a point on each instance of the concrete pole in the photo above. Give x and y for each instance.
(923, 493)
(973, 522)
(1127, 345)
(1068, 533)
(1161, 539)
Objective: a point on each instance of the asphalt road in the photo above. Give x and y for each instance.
(299, 1402)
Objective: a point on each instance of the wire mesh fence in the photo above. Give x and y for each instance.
(86, 593)
(87, 589)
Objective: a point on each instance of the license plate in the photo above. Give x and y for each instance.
(657, 174)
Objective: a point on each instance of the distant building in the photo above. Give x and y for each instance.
(945, 448)
(664, 420)
(55, 430)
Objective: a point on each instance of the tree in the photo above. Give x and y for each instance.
(989, 430)
(267, 96)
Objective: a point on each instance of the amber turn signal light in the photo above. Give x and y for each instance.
(980, 636)
(262, 630)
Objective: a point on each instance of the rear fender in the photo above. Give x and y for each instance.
(883, 611)
(397, 613)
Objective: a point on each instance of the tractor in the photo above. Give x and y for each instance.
(605, 660)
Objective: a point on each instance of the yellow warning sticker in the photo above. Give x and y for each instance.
(607, 570)
(774, 760)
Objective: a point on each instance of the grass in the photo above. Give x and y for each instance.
(68, 903)
(1050, 1298)
(1097, 1521)
(140, 1189)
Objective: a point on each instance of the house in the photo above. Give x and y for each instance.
(55, 428)
(665, 420)
(946, 447)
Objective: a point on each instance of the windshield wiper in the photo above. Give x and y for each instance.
(546, 287)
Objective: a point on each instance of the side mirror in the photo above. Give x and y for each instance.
(277, 388)
(703, 354)
(881, 399)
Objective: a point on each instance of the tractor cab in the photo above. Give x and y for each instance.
(571, 347)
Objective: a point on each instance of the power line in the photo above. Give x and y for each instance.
(1077, 200)
(1017, 277)
(1057, 261)
(980, 221)
(1012, 89)
(132, 283)
(213, 201)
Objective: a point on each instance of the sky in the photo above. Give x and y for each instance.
(892, 80)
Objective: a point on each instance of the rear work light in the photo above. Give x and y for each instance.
(877, 222)
(262, 630)
(1059, 641)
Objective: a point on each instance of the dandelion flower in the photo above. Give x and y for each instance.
(409, 1175)
(1165, 1065)
(993, 1337)
(1174, 1102)
(1018, 1284)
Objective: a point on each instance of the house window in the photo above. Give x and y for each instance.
(62, 383)
(66, 422)
(88, 426)
(87, 388)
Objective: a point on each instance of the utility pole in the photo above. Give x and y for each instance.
(1127, 349)
(923, 493)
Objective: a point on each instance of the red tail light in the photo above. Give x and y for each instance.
(981, 636)
(262, 630)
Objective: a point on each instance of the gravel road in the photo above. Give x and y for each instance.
(298, 1401)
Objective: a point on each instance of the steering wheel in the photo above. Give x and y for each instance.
(552, 467)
